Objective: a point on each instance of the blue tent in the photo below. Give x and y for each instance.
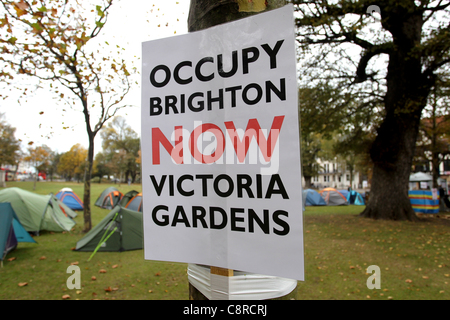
(313, 198)
(70, 199)
(354, 197)
(11, 230)
(344, 192)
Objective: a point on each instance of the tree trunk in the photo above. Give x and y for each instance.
(393, 149)
(208, 13)
(307, 181)
(87, 186)
(434, 149)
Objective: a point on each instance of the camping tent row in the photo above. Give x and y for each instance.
(39, 212)
(111, 197)
(332, 197)
(11, 230)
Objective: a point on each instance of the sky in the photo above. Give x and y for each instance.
(41, 118)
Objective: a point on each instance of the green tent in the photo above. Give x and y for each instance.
(127, 197)
(109, 198)
(38, 212)
(120, 230)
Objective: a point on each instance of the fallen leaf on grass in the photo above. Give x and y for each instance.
(102, 271)
(93, 278)
(74, 263)
(66, 296)
(23, 284)
(12, 259)
(115, 266)
(43, 258)
(408, 280)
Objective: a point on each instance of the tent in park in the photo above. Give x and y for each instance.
(109, 198)
(120, 230)
(127, 197)
(354, 197)
(313, 198)
(39, 212)
(135, 203)
(333, 197)
(70, 199)
(11, 231)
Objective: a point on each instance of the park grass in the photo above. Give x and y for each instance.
(339, 245)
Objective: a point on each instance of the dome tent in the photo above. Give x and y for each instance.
(354, 197)
(38, 212)
(127, 197)
(135, 203)
(109, 198)
(120, 230)
(333, 197)
(313, 198)
(70, 199)
(11, 231)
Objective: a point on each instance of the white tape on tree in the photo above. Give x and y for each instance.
(241, 286)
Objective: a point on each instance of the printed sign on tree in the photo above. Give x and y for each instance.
(220, 147)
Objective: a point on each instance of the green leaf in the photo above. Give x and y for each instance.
(100, 11)
(42, 9)
(12, 40)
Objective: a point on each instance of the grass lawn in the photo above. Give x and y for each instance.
(413, 259)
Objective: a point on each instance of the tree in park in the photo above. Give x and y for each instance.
(121, 145)
(40, 158)
(9, 145)
(53, 41)
(73, 162)
(394, 56)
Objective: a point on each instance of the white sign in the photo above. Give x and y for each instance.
(220, 147)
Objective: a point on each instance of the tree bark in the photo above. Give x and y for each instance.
(393, 149)
(87, 186)
(208, 13)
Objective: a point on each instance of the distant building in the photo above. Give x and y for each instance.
(332, 175)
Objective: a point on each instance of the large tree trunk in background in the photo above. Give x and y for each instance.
(393, 149)
(392, 154)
